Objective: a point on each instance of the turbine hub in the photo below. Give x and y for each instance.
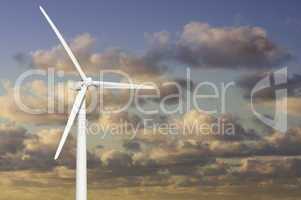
(88, 82)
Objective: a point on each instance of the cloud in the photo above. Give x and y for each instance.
(202, 45)
(182, 154)
(132, 146)
(293, 105)
(275, 144)
(266, 98)
(226, 127)
(11, 138)
(274, 167)
(158, 39)
(284, 144)
(91, 62)
(23, 59)
(40, 149)
(177, 148)
(167, 91)
(57, 58)
(119, 118)
(181, 161)
(247, 83)
(217, 168)
(113, 159)
(34, 96)
(199, 45)
(22, 150)
(34, 106)
(146, 154)
(160, 48)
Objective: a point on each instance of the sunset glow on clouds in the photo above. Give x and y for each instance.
(186, 154)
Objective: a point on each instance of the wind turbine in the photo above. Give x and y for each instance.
(79, 110)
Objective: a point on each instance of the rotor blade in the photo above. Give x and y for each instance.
(122, 85)
(65, 45)
(76, 106)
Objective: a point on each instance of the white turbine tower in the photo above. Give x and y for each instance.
(79, 110)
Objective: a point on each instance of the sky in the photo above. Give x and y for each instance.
(123, 24)
(221, 42)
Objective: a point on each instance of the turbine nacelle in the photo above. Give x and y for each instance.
(88, 82)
